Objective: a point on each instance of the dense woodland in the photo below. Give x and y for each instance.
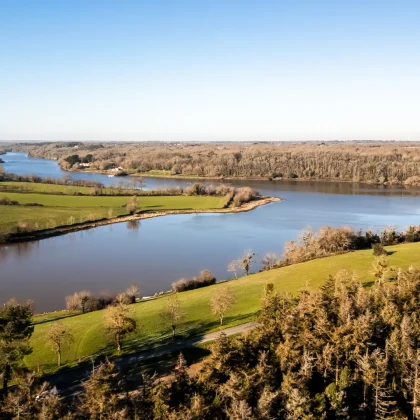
(373, 162)
(345, 351)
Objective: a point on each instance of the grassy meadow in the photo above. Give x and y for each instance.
(64, 208)
(90, 338)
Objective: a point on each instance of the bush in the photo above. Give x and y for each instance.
(4, 201)
(205, 278)
(195, 189)
(378, 250)
(243, 195)
(132, 205)
(86, 302)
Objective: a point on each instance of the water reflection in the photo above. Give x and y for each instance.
(133, 225)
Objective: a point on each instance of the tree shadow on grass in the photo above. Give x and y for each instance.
(189, 334)
(160, 365)
(155, 352)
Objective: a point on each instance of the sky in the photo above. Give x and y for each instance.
(225, 70)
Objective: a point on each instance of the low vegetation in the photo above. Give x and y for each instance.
(205, 278)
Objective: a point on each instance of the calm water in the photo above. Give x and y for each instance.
(159, 251)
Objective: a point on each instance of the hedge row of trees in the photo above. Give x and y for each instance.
(205, 278)
(48, 180)
(343, 351)
(381, 162)
(331, 241)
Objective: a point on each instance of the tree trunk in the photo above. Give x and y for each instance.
(117, 339)
(173, 331)
(336, 372)
(6, 375)
(59, 358)
(221, 319)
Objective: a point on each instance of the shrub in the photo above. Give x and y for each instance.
(378, 250)
(205, 278)
(195, 189)
(132, 205)
(24, 227)
(243, 195)
(5, 201)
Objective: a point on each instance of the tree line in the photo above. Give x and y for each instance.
(329, 241)
(372, 162)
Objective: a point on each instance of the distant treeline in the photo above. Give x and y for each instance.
(382, 163)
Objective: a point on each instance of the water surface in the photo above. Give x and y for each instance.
(161, 250)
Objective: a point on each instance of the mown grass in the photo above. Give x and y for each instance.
(53, 316)
(90, 337)
(34, 187)
(6, 187)
(59, 210)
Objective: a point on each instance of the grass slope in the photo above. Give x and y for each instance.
(91, 338)
(66, 210)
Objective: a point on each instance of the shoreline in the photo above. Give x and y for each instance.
(237, 178)
(63, 230)
(232, 179)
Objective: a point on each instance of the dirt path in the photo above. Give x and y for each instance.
(69, 382)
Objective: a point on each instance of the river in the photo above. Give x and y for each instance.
(159, 251)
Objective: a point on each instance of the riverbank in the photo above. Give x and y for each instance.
(91, 340)
(62, 230)
(157, 174)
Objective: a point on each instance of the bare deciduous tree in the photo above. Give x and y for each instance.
(247, 260)
(269, 261)
(140, 183)
(132, 205)
(119, 322)
(59, 336)
(233, 267)
(132, 292)
(221, 301)
(172, 313)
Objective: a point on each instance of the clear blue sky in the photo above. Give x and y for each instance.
(209, 70)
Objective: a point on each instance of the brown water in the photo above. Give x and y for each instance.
(158, 251)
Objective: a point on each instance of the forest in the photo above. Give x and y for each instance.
(368, 162)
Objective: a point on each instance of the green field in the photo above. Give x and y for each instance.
(59, 210)
(25, 187)
(91, 338)
(6, 187)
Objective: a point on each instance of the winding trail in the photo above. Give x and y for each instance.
(69, 382)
